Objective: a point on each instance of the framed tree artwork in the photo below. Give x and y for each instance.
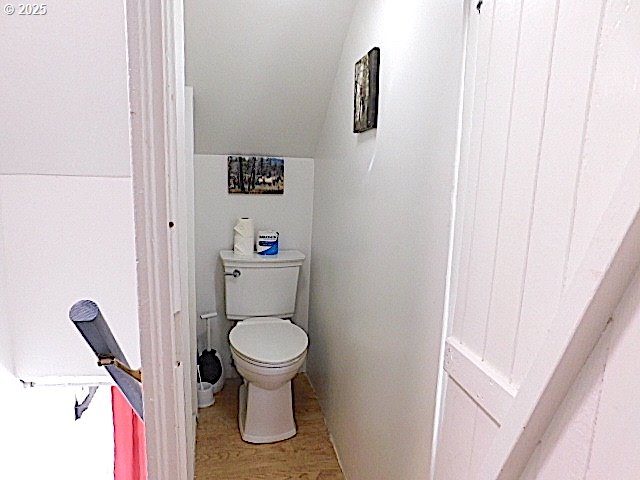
(253, 174)
(365, 95)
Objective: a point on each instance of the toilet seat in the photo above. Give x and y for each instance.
(268, 341)
(266, 365)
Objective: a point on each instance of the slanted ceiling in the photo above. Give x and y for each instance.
(262, 72)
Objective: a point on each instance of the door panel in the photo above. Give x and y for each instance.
(538, 166)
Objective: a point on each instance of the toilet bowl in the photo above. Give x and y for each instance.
(267, 352)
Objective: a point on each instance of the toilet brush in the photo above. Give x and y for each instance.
(209, 361)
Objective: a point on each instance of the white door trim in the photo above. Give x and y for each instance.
(151, 57)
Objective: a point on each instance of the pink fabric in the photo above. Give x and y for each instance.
(130, 456)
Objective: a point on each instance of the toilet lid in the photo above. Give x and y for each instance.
(268, 340)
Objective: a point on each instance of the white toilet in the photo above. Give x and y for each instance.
(267, 348)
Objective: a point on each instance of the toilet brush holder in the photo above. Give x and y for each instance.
(205, 395)
(212, 359)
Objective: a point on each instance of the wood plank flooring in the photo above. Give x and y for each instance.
(221, 454)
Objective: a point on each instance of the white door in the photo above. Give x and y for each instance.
(549, 139)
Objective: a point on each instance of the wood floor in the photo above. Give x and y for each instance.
(221, 454)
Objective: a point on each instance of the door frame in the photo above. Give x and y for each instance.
(151, 45)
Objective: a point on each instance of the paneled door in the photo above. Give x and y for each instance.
(548, 156)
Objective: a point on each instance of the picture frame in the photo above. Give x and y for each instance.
(365, 94)
(255, 174)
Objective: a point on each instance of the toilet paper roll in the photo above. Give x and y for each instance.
(243, 237)
(242, 245)
(244, 227)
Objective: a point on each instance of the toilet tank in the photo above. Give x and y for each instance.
(263, 285)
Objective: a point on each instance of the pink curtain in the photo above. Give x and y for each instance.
(128, 437)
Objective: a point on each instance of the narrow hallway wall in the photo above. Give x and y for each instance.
(382, 206)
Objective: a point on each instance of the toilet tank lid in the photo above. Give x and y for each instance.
(292, 257)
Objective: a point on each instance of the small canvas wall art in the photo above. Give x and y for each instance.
(255, 174)
(365, 95)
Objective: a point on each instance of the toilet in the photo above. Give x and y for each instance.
(267, 348)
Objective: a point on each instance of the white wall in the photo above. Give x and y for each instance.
(65, 188)
(217, 212)
(380, 239)
(67, 238)
(65, 103)
(550, 123)
(262, 72)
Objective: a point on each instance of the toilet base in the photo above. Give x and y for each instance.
(265, 416)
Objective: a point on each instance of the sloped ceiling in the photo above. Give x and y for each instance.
(262, 72)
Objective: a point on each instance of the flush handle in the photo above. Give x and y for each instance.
(235, 274)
